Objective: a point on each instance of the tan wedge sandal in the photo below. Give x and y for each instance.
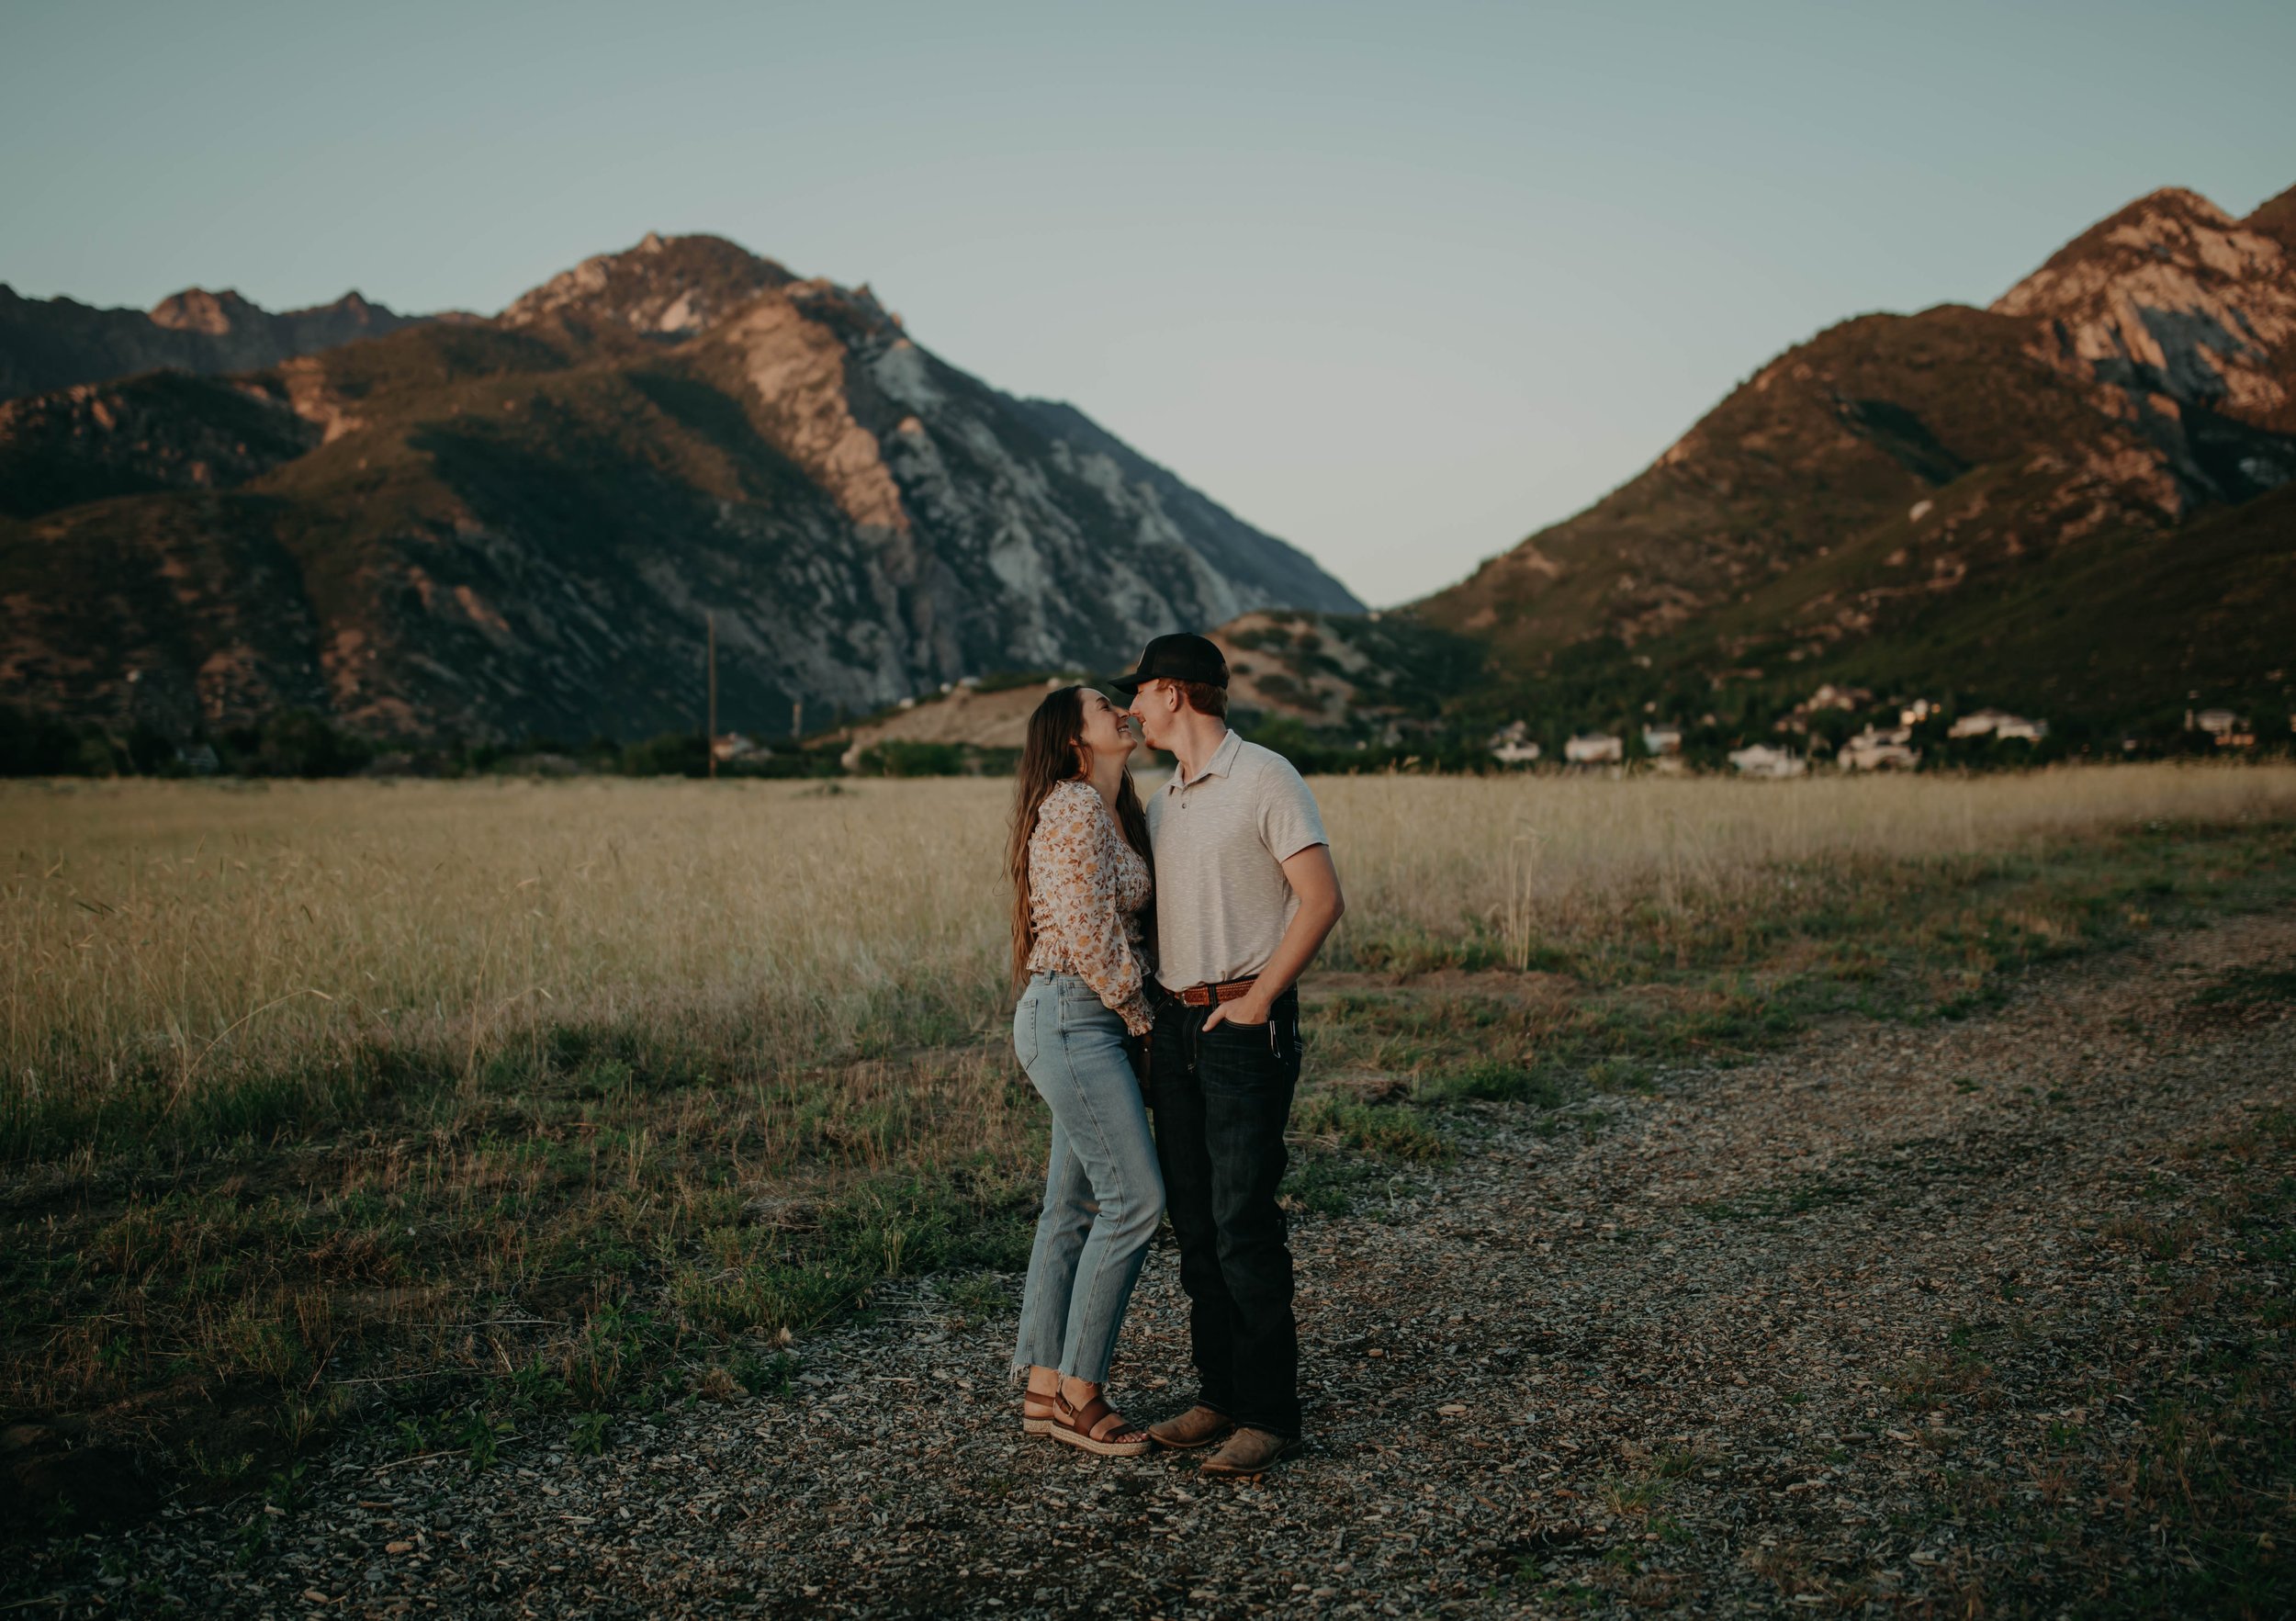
(1076, 1429)
(1036, 1412)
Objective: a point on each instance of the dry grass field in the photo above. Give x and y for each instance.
(453, 1107)
(211, 957)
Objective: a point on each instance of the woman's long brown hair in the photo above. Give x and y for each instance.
(1053, 754)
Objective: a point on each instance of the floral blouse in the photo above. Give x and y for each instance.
(1086, 887)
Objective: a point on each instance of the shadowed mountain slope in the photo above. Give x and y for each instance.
(47, 343)
(517, 527)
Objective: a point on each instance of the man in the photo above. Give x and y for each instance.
(1245, 894)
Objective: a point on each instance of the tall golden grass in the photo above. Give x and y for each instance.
(167, 935)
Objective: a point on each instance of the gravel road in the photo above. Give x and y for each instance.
(1872, 1324)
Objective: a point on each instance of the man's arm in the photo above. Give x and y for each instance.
(1316, 881)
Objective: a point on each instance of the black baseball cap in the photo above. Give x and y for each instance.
(1177, 657)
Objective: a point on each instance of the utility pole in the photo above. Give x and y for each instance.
(713, 625)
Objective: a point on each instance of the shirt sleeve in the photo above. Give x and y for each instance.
(1071, 873)
(1289, 820)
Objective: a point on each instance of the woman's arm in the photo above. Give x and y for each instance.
(1071, 874)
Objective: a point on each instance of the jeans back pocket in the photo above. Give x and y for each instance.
(1024, 1036)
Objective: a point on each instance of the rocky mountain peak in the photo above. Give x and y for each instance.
(2171, 298)
(196, 309)
(859, 519)
(2277, 220)
(674, 287)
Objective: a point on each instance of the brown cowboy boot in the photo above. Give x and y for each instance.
(1248, 1453)
(1198, 1427)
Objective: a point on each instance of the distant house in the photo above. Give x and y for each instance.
(2229, 730)
(1832, 697)
(1876, 749)
(1915, 712)
(1997, 723)
(200, 759)
(1594, 749)
(1511, 744)
(735, 746)
(1761, 761)
(1661, 740)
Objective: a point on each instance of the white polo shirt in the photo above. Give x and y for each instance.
(1221, 838)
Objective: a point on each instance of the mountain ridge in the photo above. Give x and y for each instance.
(2012, 499)
(518, 526)
(1879, 479)
(52, 344)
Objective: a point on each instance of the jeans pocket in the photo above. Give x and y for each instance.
(1238, 1058)
(1082, 1009)
(1024, 1036)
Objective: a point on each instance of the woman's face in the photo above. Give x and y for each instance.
(1106, 731)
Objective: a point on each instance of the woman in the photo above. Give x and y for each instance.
(1079, 864)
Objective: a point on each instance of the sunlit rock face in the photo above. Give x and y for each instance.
(519, 526)
(666, 286)
(2171, 297)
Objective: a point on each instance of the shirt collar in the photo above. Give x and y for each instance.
(1222, 761)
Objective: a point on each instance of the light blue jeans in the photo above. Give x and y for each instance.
(1103, 1194)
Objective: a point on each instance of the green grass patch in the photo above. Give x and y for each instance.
(2250, 986)
(1383, 1131)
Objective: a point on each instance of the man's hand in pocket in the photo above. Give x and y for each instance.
(1248, 1008)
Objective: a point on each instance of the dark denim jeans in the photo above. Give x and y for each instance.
(1221, 1099)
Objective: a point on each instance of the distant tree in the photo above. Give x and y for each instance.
(95, 757)
(151, 751)
(898, 757)
(673, 754)
(37, 745)
(304, 743)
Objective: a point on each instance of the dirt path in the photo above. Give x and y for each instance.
(1885, 1322)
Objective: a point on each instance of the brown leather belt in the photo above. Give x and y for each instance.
(1228, 990)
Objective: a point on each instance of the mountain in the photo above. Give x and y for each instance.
(47, 343)
(1874, 503)
(517, 527)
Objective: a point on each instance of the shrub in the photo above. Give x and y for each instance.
(673, 754)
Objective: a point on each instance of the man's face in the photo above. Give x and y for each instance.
(1153, 706)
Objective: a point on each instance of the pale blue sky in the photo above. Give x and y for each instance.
(1399, 283)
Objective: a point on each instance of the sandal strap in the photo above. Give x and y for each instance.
(1087, 1420)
